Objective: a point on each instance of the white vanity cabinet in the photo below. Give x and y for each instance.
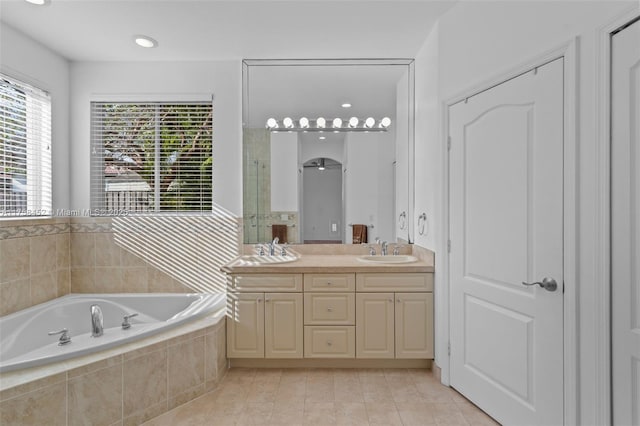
(366, 315)
(265, 316)
(394, 315)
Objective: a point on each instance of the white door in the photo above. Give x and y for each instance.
(506, 225)
(625, 224)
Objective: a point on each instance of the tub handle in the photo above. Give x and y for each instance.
(64, 338)
(125, 322)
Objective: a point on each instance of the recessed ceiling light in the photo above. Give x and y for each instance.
(39, 2)
(145, 41)
(346, 105)
(322, 138)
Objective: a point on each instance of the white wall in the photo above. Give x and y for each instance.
(284, 172)
(478, 41)
(28, 61)
(155, 81)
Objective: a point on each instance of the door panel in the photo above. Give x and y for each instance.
(283, 325)
(414, 325)
(506, 227)
(374, 325)
(245, 325)
(625, 224)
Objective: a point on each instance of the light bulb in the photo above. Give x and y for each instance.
(272, 123)
(321, 123)
(353, 122)
(337, 123)
(304, 122)
(346, 105)
(369, 122)
(145, 41)
(385, 122)
(287, 122)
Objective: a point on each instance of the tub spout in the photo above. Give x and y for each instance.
(96, 321)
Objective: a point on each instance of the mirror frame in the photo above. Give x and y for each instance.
(409, 62)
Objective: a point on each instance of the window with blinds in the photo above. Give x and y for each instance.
(151, 157)
(25, 149)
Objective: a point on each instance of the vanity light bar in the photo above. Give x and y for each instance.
(304, 124)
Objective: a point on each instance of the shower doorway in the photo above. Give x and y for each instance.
(322, 202)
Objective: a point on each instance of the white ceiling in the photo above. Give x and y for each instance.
(102, 30)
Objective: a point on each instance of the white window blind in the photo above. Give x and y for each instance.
(25, 149)
(151, 157)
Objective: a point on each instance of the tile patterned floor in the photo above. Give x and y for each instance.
(327, 397)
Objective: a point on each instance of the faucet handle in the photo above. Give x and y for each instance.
(283, 249)
(64, 338)
(372, 249)
(260, 248)
(397, 247)
(125, 323)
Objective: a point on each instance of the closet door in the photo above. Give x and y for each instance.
(625, 224)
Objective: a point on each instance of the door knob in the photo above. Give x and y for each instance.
(548, 284)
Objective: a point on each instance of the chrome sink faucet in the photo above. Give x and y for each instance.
(97, 321)
(273, 245)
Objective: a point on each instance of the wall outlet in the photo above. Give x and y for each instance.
(334, 227)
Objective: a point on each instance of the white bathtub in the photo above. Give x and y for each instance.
(24, 339)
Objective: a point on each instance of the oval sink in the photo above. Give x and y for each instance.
(265, 260)
(388, 259)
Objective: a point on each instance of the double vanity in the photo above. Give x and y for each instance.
(330, 310)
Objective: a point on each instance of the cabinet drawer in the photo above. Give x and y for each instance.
(329, 282)
(267, 282)
(329, 309)
(329, 342)
(394, 282)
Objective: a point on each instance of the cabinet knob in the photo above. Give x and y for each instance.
(329, 309)
(328, 282)
(329, 343)
(390, 300)
(267, 300)
(259, 300)
(398, 300)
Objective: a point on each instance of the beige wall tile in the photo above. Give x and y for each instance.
(127, 258)
(14, 295)
(108, 280)
(83, 280)
(95, 366)
(134, 280)
(145, 414)
(15, 258)
(44, 287)
(145, 382)
(107, 252)
(64, 281)
(185, 366)
(31, 386)
(44, 406)
(96, 398)
(43, 254)
(63, 255)
(83, 250)
(186, 396)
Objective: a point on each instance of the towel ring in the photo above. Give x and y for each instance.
(402, 220)
(423, 227)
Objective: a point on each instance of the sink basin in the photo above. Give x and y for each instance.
(389, 260)
(265, 260)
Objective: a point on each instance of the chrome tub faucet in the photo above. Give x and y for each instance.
(97, 321)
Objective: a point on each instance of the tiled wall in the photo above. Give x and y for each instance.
(34, 262)
(126, 389)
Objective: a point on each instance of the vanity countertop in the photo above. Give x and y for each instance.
(327, 264)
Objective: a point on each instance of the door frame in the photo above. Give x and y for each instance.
(603, 408)
(568, 51)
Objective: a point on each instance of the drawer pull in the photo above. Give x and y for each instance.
(390, 300)
(328, 282)
(329, 343)
(259, 300)
(267, 300)
(398, 300)
(329, 309)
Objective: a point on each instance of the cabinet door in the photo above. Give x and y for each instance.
(374, 325)
(414, 325)
(283, 325)
(245, 325)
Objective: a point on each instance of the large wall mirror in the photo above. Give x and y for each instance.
(328, 150)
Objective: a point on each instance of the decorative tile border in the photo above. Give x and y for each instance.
(24, 231)
(89, 227)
